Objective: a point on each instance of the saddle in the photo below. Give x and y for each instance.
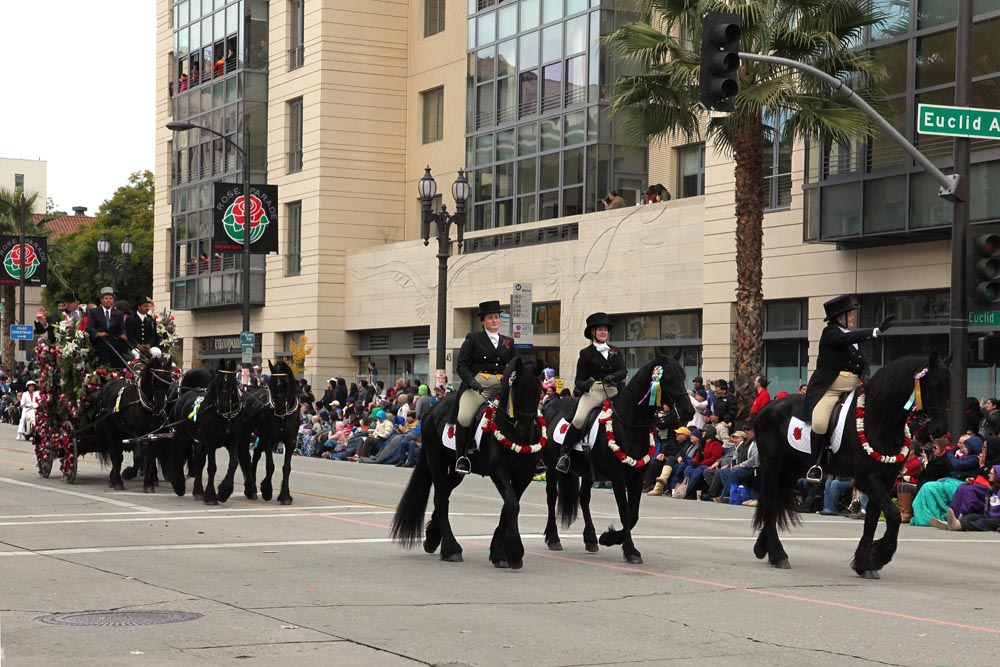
(588, 434)
(449, 430)
(802, 438)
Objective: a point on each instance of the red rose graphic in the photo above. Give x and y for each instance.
(563, 429)
(797, 433)
(29, 255)
(256, 211)
(451, 432)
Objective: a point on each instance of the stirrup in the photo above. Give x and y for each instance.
(564, 463)
(814, 474)
(463, 466)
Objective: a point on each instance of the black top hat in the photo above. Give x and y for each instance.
(68, 297)
(487, 307)
(595, 320)
(143, 301)
(838, 306)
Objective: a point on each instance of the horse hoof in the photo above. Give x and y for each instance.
(265, 495)
(759, 550)
(149, 489)
(869, 574)
(453, 558)
(591, 547)
(224, 494)
(285, 501)
(517, 564)
(430, 547)
(211, 501)
(129, 473)
(634, 559)
(501, 564)
(197, 496)
(781, 564)
(250, 495)
(117, 486)
(555, 546)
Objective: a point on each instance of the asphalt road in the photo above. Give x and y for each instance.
(319, 583)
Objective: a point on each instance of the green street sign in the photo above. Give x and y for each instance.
(984, 318)
(958, 121)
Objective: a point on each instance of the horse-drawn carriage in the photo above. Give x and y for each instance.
(85, 409)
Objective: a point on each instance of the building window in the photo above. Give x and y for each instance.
(433, 17)
(296, 35)
(776, 162)
(545, 318)
(691, 171)
(641, 335)
(295, 136)
(293, 260)
(786, 345)
(433, 115)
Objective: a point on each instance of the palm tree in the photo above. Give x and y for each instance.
(661, 102)
(10, 212)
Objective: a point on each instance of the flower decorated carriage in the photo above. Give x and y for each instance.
(70, 381)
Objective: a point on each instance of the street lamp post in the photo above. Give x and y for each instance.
(103, 248)
(179, 126)
(427, 188)
(21, 213)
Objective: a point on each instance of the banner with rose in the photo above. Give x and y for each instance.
(230, 214)
(35, 262)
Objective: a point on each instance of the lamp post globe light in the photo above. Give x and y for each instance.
(427, 188)
(181, 126)
(104, 248)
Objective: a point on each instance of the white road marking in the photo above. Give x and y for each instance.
(212, 510)
(109, 501)
(386, 540)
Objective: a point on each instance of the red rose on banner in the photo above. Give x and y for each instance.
(563, 429)
(451, 432)
(29, 255)
(797, 433)
(256, 211)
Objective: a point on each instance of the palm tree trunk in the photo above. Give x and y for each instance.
(9, 306)
(749, 257)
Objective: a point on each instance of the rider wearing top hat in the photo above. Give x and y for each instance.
(481, 361)
(600, 371)
(840, 364)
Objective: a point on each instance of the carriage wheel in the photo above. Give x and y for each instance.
(43, 454)
(71, 456)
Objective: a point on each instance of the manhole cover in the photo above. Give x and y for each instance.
(119, 618)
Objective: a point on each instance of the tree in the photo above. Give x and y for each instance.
(661, 102)
(10, 212)
(300, 350)
(128, 211)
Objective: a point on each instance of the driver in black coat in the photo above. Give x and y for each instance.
(106, 329)
(600, 372)
(840, 364)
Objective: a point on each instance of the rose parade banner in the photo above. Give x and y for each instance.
(35, 262)
(230, 216)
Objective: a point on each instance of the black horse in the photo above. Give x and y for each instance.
(204, 421)
(885, 417)
(633, 417)
(510, 470)
(272, 416)
(131, 410)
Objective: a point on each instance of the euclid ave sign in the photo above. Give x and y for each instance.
(958, 121)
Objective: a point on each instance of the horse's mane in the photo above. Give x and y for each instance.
(886, 394)
(281, 366)
(528, 370)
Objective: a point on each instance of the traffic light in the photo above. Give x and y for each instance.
(984, 260)
(720, 60)
(989, 349)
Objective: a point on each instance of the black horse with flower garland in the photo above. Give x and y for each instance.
(873, 448)
(70, 383)
(624, 445)
(512, 440)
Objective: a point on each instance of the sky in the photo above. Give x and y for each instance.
(79, 93)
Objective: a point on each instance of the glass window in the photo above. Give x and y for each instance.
(897, 21)
(433, 115)
(507, 58)
(293, 260)
(573, 201)
(573, 166)
(471, 42)
(295, 136)
(895, 59)
(680, 325)
(482, 217)
(482, 184)
(574, 6)
(507, 19)
(505, 145)
(506, 99)
(550, 133)
(642, 327)
(484, 149)
(984, 188)
(576, 35)
(884, 151)
(574, 128)
(841, 210)
(505, 180)
(527, 210)
(528, 50)
(691, 161)
(485, 64)
(936, 12)
(505, 213)
(551, 10)
(786, 365)
(936, 59)
(984, 60)
(549, 205)
(529, 14)
(926, 208)
(527, 139)
(552, 43)
(526, 176)
(485, 114)
(783, 316)
(552, 86)
(885, 204)
(487, 28)
(576, 80)
(529, 94)
(549, 169)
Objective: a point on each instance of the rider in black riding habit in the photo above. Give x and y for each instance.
(481, 361)
(600, 373)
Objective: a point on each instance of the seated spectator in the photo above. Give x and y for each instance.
(743, 466)
(708, 454)
(672, 447)
(391, 449)
(377, 436)
(713, 484)
(833, 494)
(684, 458)
(409, 444)
(987, 520)
(934, 497)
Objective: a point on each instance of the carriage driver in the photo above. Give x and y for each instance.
(481, 362)
(840, 364)
(600, 372)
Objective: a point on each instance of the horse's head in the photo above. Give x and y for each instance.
(673, 391)
(225, 388)
(157, 383)
(281, 383)
(520, 392)
(935, 388)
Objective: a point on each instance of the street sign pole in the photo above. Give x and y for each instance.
(958, 330)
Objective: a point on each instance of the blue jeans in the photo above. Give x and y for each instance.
(736, 475)
(410, 449)
(835, 488)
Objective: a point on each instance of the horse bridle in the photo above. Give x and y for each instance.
(290, 406)
(147, 403)
(230, 414)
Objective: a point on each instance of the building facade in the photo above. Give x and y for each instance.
(347, 103)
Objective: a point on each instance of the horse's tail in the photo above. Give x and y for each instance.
(569, 497)
(408, 522)
(778, 474)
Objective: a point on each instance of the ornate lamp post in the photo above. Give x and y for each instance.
(126, 247)
(427, 187)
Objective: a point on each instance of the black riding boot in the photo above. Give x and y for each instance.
(572, 436)
(463, 446)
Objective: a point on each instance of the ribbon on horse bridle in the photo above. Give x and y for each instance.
(653, 393)
(915, 402)
(510, 394)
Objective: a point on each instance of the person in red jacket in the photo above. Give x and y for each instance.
(708, 454)
(763, 397)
